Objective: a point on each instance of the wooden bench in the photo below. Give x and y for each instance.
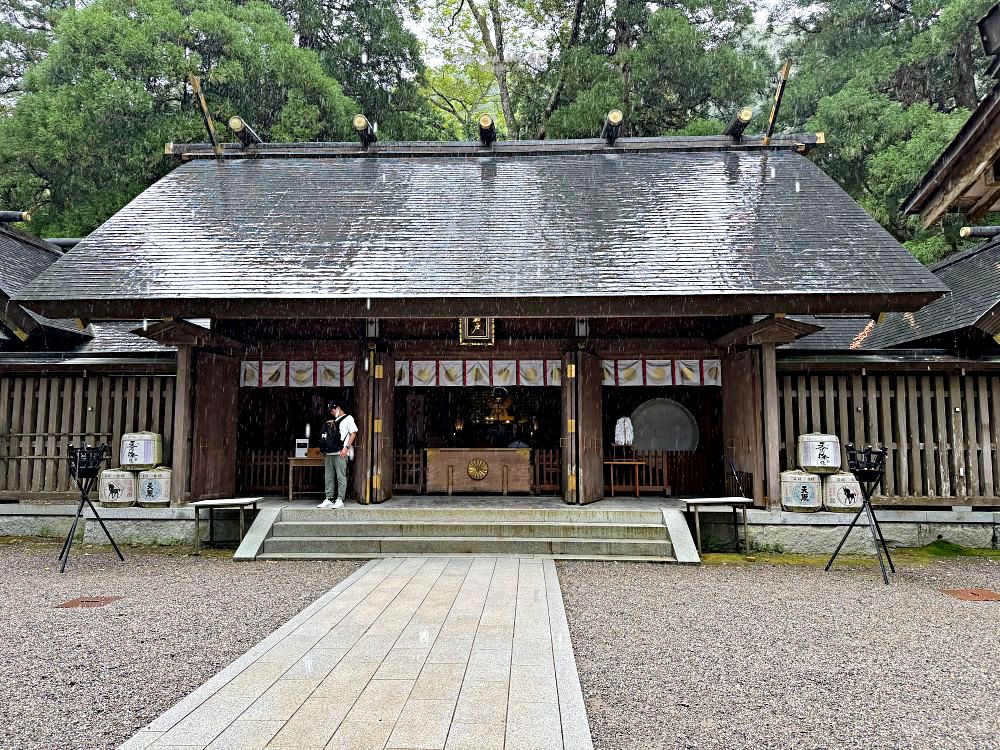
(238, 503)
(734, 502)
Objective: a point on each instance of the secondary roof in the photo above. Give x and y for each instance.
(570, 232)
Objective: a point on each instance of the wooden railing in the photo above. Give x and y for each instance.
(547, 468)
(409, 470)
(40, 417)
(942, 431)
(674, 472)
(267, 472)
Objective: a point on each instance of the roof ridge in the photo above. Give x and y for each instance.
(961, 255)
(37, 242)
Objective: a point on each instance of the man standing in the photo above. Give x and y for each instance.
(337, 442)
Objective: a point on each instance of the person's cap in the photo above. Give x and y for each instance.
(331, 405)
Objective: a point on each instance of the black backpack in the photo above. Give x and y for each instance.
(330, 440)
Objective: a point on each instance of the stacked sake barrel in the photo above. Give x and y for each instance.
(819, 482)
(140, 477)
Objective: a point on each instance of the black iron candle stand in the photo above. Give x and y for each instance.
(84, 466)
(868, 466)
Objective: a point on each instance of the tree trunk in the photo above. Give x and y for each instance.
(574, 37)
(965, 75)
(497, 61)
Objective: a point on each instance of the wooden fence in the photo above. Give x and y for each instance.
(942, 431)
(679, 472)
(41, 416)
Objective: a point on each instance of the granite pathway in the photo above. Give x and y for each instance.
(465, 653)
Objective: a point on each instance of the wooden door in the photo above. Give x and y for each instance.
(359, 487)
(590, 427)
(216, 410)
(583, 442)
(742, 422)
(383, 407)
(568, 442)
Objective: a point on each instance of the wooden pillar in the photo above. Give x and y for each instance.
(383, 390)
(742, 419)
(772, 439)
(359, 487)
(180, 477)
(583, 441)
(215, 407)
(567, 442)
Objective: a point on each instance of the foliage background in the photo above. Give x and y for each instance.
(90, 90)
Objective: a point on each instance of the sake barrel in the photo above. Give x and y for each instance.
(841, 492)
(154, 487)
(140, 450)
(801, 491)
(819, 453)
(116, 488)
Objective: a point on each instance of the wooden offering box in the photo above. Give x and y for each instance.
(489, 470)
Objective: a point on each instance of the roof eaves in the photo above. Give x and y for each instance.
(967, 138)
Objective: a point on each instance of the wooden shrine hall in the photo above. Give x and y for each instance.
(568, 317)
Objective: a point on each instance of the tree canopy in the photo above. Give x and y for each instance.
(90, 91)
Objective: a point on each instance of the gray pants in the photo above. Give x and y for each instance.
(335, 469)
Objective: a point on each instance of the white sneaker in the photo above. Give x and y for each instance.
(338, 504)
(326, 504)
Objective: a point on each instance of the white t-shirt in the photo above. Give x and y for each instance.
(347, 427)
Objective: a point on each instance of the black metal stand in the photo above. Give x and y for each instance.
(84, 465)
(868, 466)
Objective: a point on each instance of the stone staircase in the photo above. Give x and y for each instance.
(568, 532)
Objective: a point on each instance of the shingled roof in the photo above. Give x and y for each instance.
(22, 258)
(576, 231)
(974, 301)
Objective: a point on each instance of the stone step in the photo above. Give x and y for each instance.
(465, 545)
(566, 514)
(447, 528)
(371, 555)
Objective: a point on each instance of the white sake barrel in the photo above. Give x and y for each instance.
(801, 491)
(841, 492)
(140, 450)
(819, 453)
(154, 487)
(116, 488)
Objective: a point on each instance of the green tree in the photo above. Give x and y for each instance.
(665, 71)
(367, 47)
(25, 34)
(890, 84)
(87, 134)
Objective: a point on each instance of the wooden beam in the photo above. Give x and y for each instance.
(772, 330)
(964, 174)
(182, 432)
(570, 306)
(772, 425)
(174, 332)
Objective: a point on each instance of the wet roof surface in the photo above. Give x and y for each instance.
(677, 223)
(974, 279)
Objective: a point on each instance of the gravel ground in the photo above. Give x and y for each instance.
(89, 678)
(781, 656)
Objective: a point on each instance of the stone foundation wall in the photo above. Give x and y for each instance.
(146, 526)
(821, 532)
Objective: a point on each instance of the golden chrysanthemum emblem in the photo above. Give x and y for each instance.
(478, 469)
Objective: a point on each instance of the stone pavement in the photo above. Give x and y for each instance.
(465, 653)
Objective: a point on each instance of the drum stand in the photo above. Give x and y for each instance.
(84, 465)
(868, 466)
